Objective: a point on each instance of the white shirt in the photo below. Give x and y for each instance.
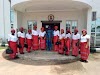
(35, 32)
(76, 37)
(22, 35)
(84, 38)
(29, 36)
(42, 34)
(62, 36)
(12, 38)
(68, 35)
(56, 33)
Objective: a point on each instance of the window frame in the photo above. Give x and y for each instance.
(71, 24)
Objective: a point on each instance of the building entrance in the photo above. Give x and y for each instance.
(50, 24)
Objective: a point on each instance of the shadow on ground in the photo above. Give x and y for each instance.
(69, 69)
(40, 58)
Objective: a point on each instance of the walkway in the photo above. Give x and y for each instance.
(22, 67)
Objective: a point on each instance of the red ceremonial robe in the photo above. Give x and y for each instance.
(42, 43)
(75, 48)
(21, 42)
(84, 51)
(55, 39)
(61, 47)
(29, 43)
(67, 44)
(35, 42)
(13, 46)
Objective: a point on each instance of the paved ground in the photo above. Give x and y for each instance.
(46, 58)
(20, 67)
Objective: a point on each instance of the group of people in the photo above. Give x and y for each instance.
(55, 40)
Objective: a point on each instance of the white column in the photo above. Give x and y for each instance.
(19, 19)
(7, 25)
(1, 20)
(15, 20)
(4, 19)
(89, 20)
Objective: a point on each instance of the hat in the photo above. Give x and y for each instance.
(13, 31)
(21, 28)
(35, 26)
(84, 30)
(29, 31)
(76, 30)
(62, 30)
(68, 31)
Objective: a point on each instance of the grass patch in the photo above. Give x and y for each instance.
(2, 48)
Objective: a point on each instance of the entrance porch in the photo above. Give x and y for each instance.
(73, 14)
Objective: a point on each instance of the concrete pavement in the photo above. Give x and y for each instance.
(18, 67)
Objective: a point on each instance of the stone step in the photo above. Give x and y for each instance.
(47, 57)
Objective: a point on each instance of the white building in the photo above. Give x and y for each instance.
(66, 14)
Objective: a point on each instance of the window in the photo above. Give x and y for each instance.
(71, 25)
(31, 23)
(12, 16)
(95, 32)
(68, 24)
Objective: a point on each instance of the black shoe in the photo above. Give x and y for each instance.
(22, 53)
(73, 55)
(16, 57)
(42, 49)
(85, 61)
(29, 51)
(66, 54)
(81, 60)
(61, 53)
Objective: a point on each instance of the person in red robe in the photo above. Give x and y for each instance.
(42, 39)
(67, 42)
(29, 40)
(62, 42)
(12, 42)
(75, 43)
(35, 38)
(21, 36)
(84, 46)
(56, 37)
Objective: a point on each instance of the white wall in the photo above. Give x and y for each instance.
(17, 1)
(4, 19)
(74, 15)
(15, 20)
(96, 6)
(19, 19)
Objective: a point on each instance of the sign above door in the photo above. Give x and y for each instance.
(51, 17)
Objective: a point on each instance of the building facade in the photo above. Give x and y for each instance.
(67, 14)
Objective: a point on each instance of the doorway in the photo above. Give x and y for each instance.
(50, 24)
